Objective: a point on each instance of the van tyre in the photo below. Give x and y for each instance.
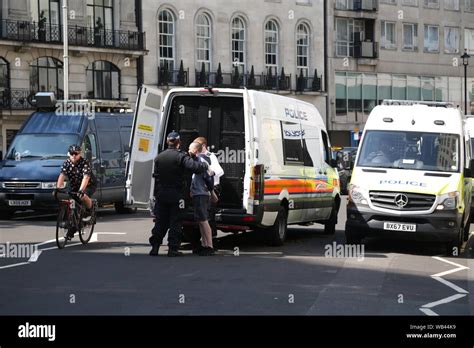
(353, 236)
(330, 225)
(121, 209)
(276, 235)
(453, 248)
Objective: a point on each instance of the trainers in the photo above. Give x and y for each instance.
(87, 215)
(154, 250)
(174, 253)
(207, 251)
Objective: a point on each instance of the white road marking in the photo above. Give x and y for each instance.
(15, 264)
(119, 233)
(438, 276)
(35, 256)
(444, 300)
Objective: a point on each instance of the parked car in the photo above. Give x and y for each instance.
(274, 150)
(31, 166)
(345, 158)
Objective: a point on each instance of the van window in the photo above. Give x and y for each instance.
(49, 122)
(312, 146)
(292, 145)
(410, 150)
(327, 155)
(110, 148)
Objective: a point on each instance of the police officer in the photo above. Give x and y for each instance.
(171, 167)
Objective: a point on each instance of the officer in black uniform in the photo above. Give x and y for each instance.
(171, 167)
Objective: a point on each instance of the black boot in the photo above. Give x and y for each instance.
(174, 253)
(154, 250)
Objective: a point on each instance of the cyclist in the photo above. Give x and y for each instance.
(78, 171)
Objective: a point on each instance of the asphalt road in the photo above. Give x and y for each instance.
(114, 275)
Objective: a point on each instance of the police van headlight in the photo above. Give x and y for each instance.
(357, 195)
(48, 185)
(448, 201)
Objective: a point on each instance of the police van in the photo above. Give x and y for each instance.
(274, 150)
(469, 123)
(412, 176)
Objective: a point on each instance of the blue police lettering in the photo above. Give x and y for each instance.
(300, 115)
(403, 182)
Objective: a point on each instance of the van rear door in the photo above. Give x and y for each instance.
(144, 142)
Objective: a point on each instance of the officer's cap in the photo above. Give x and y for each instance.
(173, 136)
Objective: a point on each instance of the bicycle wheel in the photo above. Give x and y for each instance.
(87, 229)
(62, 227)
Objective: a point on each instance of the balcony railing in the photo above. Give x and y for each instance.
(365, 49)
(231, 80)
(309, 83)
(16, 99)
(357, 5)
(26, 31)
(172, 77)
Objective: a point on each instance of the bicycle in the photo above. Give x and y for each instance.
(70, 219)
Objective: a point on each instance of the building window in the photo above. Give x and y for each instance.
(203, 41)
(166, 27)
(303, 2)
(345, 33)
(431, 38)
(388, 35)
(469, 5)
(239, 35)
(46, 75)
(451, 5)
(47, 14)
(302, 49)
(469, 40)
(410, 36)
(272, 46)
(344, 4)
(390, 2)
(431, 3)
(410, 2)
(451, 40)
(100, 18)
(103, 80)
(4, 83)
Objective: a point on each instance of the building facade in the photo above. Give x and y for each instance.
(276, 45)
(106, 44)
(395, 49)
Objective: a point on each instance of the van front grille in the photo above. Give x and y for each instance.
(21, 185)
(402, 201)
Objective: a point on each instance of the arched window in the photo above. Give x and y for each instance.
(271, 46)
(167, 39)
(103, 80)
(4, 82)
(302, 49)
(203, 41)
(46, 75)
(239, 48)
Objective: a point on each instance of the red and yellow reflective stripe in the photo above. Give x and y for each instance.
(275, 186)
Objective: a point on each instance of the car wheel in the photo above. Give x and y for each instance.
(330, 225)
(453, 248)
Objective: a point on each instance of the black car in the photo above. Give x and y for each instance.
(31, 167)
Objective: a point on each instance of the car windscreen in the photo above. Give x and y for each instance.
(410, 150)
(43, 146)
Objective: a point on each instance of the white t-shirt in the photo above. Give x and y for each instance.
(215, 167)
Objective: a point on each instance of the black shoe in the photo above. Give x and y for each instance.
(207, 251)
(154, 250)
(198, 250)
(174, 253)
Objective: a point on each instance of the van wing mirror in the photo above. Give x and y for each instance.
(88, 155)
(467, 173)
(333, 163)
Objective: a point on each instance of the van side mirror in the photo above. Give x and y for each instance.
(333, 163)
(88, 155)
(467, 173)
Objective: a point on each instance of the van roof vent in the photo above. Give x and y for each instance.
(439, 122)
(418, 102)
(388, 119)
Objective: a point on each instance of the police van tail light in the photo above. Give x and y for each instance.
(257, 182)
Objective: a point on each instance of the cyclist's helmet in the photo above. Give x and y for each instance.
(74, 148)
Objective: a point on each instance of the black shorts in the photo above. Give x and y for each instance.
(201, 208)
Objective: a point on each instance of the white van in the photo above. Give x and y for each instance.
(274, 150)
(412, 176)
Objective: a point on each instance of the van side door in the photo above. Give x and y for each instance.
(90, 146)
(144, 142)
(328, 176)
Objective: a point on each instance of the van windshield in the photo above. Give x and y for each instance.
(43, 146)
(410, 150)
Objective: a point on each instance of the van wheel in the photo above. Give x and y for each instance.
(330, 225)
(467, 229)
(6, 215)
(121, 209)
(276, 235)
(353, 236)
(453, 248)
